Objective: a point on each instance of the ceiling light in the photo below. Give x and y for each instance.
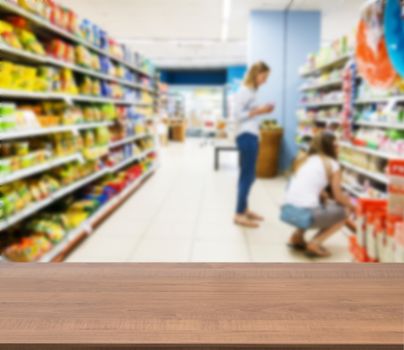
(226, 10)
(227, 4)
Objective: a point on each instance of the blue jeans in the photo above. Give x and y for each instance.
(248, 147)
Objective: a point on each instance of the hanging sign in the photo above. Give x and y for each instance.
(373, 59)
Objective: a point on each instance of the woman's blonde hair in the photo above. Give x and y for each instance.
(321, 145)
(256, 69)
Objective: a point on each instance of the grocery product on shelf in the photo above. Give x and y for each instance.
(378, 235)
(328, 55)
(361, 187)
(333, 77)
(362, 160)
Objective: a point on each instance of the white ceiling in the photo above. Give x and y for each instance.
(187, 33)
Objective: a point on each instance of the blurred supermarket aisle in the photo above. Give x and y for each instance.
(184, 214)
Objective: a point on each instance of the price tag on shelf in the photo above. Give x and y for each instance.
(68, 100)
(74, 131)
(81, 159)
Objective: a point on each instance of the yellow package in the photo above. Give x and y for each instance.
(6, 75)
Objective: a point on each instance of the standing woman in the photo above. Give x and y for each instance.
(246, 113)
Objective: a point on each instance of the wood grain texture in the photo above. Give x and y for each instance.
(201, 306)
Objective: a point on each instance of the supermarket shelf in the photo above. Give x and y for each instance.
(328, 120)
(35, 208)
(370, 100)
(75, 186)
(71, 237)
(369, 151)
(17, 94)
(370, 174)
(116, 201)
(89, 225)
(323, 104)
(26, 213)
(351, 190)
(34, 58)
(13, 135)
(18, 175)
(44, 24)
(335, 63)
(320, 86)
(128, 140)
(382, 125)
(126, 162)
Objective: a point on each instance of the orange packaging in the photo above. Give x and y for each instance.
(371, 51)
(399, 242)
(390, 248)
(366, 210)
(381, 238)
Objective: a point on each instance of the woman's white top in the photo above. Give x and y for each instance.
(245, 100)
(309, 182)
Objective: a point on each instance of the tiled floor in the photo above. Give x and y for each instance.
(184, 214)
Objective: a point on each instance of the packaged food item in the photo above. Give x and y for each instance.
(60, 50)
(30, 42)
(83, 56)
(8, 36)
(28, 249)
(7, 116)
(54, 231)
(68, 83)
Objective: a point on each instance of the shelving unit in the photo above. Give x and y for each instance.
(128, 140)
(325, 85)
(322, 82)
(87, 228)
(323, 104)
(35, 208)
(54, 163)
(381, 125)
(43, 24)
(25, 134)
(381, 178)
(335, 63)
(33, 58)
(337, 84)
(369, 151)
(353, 191)
(47, 96)
(140, 97)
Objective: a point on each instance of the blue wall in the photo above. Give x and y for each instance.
(283, 40)
(235, 76)
(194, 77)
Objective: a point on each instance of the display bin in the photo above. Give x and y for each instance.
(178, 130)
(269, 153)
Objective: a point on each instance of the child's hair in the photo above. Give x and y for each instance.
(256, 69)
(321, 145)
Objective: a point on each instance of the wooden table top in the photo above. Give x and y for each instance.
(201, 306)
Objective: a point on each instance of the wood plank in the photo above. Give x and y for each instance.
(201, 306)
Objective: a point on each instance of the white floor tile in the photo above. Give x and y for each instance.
(220, 252)
(162, 250)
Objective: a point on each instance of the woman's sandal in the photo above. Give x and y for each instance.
(245, 222)
(317, 252)
(253, 216)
